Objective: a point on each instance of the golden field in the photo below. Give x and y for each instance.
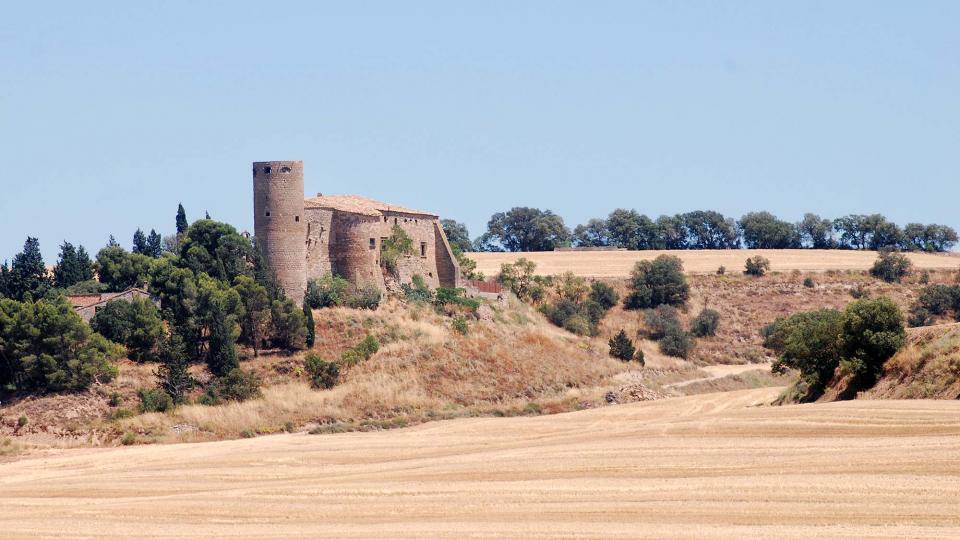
(708, 466)
(617, 264)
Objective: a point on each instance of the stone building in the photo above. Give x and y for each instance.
(340, 234)
(88, 305)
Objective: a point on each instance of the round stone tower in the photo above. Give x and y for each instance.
(279, 224)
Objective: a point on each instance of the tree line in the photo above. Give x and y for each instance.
(532, 229)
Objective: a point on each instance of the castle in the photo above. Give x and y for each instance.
(303, 239)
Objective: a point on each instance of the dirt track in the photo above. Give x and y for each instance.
(614, 264)
(704, 466)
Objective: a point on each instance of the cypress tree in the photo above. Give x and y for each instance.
(181, 220)
(139, 242)
(4, 280)
(172, 375)
(28, 274)
(154, 244)
(311, 330)
(73, 267)
(112, 242)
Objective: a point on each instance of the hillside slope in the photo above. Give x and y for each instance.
(927, 368)
(711, 466)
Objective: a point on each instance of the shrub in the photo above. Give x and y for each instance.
(660, 319)
(135, 324)
(154, 400)
(639, 357)
(360, 352)
(604, 295)
(327, 291)
(365, 297)
(809, 283)
(417, 291)
(939, 299)
(621, 347)
(872, 333)
(705, 323)
(519, 278)
(578, 324)
(393, 247)
(859, 292)
(322, 374)
(128, 439)
(924, 277)
(919, 316)
(236, 385)
(445, 296)
(721, 270)
(22, 421)
(114, 399)
(657, 282)
(756, 266)
(460, 325)
(890, 266)
(676, 342)
(289, 325)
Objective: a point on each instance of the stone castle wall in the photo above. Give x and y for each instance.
(279, 224)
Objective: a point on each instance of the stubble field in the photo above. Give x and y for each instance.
(708, 466)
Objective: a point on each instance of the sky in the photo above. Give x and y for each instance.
(114, 112)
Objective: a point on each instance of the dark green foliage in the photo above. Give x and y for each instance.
(519, 278)
(289, 325)
(939, 299)
(705, 323)
(809, 283)
(73, 267)
(418, 291)
(890, 266)
(762, 230)
(457, 235)
(236, 385)
(659, 319)
(322, 374)
(46, 346)
(525, 229)
(327, 291)
(360, 352)
(120, 270)
(28, 273)
(631, 230)
(86, 287)
(621, 347)
(218, 250)
(816, 232)
(468, 266)
(182, 223)
(396, 245)
(594, 234)
(657, 282)
(154, 400)
(139, 242)
(919, 316)
(365, 297)
(173, 375)
(445, 296)
(154, 247)
(135, 324)
(859, 339)
(676, 342)
(706, 229)
(5, 281)
(933, 238)
(219, 309)
(604, 295)
(756, 266)
(256, 318)
(311, 326)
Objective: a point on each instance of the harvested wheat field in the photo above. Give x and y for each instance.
(709, 466)
(617, 264)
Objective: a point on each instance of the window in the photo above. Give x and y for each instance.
(266, 170)
(267, 213)
(285, 169)
(373, 243)
(423, 249)
(296, 219)
(394, 221)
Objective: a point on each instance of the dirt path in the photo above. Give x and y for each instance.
(720, 371)
(707, 466)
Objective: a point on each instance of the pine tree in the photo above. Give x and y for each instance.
(208, 215)
(73, 267)
(139, 242)
(222, 353)
(311, 328)
(112, 242)
(28, 274)
(4, 280)
(621, 347)
(154, 244)
(173, 375)
(181, 220)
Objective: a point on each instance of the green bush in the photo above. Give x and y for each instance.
(446, 296)
(891, 266)
(236, 385)
(705, 323)
(604, 295)
(756, 266)
(809, 283)
(322, 374)
(154, 400)
(22, 421)
(360, 352)
(135, 324)
(393, 247)
(919, 316)
(939, 299)
(658, 320)
(417, 291)
(460, 325)
(366, 297)
(327, 291)
(657, 282)
(676, 342)
(621, 347)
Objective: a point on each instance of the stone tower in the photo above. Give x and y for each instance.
(279, 223)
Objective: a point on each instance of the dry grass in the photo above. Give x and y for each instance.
(927, 368)
(708, 466)
(617, 264)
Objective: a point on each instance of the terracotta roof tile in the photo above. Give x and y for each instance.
(356, 204)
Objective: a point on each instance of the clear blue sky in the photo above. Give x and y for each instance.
(112, 113)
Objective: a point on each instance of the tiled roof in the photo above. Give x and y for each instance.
(356, 204)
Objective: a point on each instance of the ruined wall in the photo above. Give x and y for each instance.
(320, 234)
(448, 269)
(279, 224)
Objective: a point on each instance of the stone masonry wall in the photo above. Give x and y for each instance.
(279, 224)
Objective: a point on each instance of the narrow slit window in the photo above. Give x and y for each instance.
(285, 169)
(373, 243)
(267, 213)
(423, 249)
(296, 219)
(266, 170)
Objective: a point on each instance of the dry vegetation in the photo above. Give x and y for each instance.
(710, 466)
(617, 264)
(927, 368)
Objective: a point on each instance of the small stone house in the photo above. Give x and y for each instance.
(87, 305)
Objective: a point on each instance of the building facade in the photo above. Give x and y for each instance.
(302, 239)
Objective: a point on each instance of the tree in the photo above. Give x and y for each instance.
(656, 282)
(397, 245)
(135, 324)
(218, 310)
(289, 325)
(816, 232)
(28, 273)
(852, 230)
(593, 234)
(756, 266)
(872, 332)
(676, 342)
(139, 242)
(705, 323)
(929, 237)
(74, 266)
(673, 232)
(255, 322)
(882, 234)
(810, 343)
(526, 229)
(604, 295)
(631, 230)
(311, 326)
(182, 223)
(5, 280)
(710, 230)
(120, 270)
(154, 246)
(762, 230)
(518, 277)
(218, 250)
(891, 266)
(621, 347)
(173, 375)
(457, 235)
